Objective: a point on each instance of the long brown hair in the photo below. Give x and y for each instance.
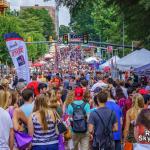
(42, 107)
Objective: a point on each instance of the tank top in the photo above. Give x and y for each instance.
(41, 137)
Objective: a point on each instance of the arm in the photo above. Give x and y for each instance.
(18, 114)
(115, 127)
(11, 138)
(126, 130)
(91, 128)
(22, 116)
(30, 126)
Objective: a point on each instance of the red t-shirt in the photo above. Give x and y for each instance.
(34, 85)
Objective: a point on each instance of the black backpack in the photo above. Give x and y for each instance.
(106, 140)
(79, 124)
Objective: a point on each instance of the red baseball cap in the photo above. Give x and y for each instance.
(78, 93)
(143, 91)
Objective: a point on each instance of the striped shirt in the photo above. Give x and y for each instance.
(41, 137)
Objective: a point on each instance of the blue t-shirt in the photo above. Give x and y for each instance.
(27, 109)
(113, 106)
(78, 102)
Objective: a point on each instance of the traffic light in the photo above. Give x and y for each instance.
(85, 38)
(65, 38)
(51, 39)
(29, 39)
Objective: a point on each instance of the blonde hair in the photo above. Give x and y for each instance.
(138, 101)
(42, 106)
(53, 99)
(4, 99)
(137, 104)
(70, 97)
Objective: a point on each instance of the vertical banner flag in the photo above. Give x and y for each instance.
(18, 52)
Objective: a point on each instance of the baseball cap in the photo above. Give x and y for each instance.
(78, 93)
(143, 92)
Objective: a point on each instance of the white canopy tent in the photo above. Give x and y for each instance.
(91, 60)
(114, 59)
(135, 59)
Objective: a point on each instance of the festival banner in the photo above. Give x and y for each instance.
(18, 52)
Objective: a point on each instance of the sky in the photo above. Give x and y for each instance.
(64, 16)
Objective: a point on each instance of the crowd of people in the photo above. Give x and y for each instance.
(74, 110)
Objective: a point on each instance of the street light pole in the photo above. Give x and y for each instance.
(123, 37)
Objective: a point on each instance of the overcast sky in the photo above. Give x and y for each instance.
(64, 17)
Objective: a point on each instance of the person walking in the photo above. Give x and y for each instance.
(79, 111)
(102, 123)
(41, 126)
(6, 125)
(131, 116)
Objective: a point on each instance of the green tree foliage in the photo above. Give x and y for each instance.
(136, 15)
(40, 16)
(83, 22)
(63, 30)
(36, 50)
(33, 23)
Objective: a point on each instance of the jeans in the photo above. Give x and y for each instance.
(45, 147)
(117, 145)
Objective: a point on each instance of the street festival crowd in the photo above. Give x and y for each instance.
(75, 109)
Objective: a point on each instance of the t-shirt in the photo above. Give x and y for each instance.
(78, 102)
(27, 109)
(113, 106)
(34, 85)
(141, 146)
(98, 126)
(5, 126)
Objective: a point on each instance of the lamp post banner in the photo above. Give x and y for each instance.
(18, 52)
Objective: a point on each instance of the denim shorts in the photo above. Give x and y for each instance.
(46, 147)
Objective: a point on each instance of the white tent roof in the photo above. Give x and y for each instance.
(91, 59)
(135, 59)
(108, 62)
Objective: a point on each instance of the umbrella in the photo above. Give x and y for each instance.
(43, 62)
(91, 60)
(37, 65)
(106, 69)
(100, 85)
(48, 56)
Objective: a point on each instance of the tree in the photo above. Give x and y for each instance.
(36, 50)
(135, 14)
(63, 30)
(83, 22)
(40, 16)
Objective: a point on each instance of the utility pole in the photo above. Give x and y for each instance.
(123, 35)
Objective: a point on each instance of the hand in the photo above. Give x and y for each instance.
(91, 137)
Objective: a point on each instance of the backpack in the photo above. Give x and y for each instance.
(79, 124)
(106, 141)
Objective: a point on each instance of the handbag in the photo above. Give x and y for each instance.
(60, 126)
(22, 140)
(67, 135)
(61, 143)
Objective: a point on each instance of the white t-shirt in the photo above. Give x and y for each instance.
(5, 125)
(141, 146)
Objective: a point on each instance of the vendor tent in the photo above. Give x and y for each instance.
(111, 61)
(144, 70)
(91, 60)
(135, 59)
